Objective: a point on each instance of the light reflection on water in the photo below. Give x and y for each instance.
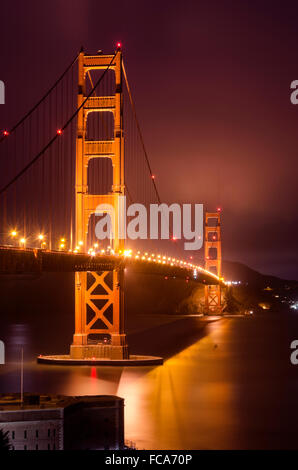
(226, 390)
(160, 402)
(168, 402)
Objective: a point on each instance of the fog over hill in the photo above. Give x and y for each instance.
(235, 271)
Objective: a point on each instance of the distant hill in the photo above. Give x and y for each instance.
(240, 272)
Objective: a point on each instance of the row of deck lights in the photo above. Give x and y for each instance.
(161, 259)
(40, 237)
(22, 240)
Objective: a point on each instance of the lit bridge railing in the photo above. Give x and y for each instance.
(14, 260)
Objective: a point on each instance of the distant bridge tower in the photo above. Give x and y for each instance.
(99, 297)
(213, 303)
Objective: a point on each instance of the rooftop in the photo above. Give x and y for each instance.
(12, 401)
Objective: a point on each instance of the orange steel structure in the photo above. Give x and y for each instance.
(213, 303)
(99, 296)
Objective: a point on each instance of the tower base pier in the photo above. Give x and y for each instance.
(133, 360)
(115, 348)
(99, 351)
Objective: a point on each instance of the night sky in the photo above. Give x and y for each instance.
(211, 82)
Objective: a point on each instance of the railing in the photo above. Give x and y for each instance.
(14, 260)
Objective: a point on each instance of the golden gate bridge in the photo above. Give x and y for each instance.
(79, 147)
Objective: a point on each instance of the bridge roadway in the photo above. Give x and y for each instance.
(14, 260)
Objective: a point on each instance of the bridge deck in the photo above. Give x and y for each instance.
(14, 260)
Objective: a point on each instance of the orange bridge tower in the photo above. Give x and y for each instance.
(213, 302)
(99, 296)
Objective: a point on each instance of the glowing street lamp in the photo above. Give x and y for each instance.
(62, 244)
(22, 242)
(13, 234)
(41, 239)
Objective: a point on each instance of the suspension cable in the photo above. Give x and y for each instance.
(42, 99)
(140, 133)
(62, 129)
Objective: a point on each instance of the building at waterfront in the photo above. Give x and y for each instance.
(56, 422)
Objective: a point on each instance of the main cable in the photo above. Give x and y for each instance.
(61, 130)
(140, 133)
(41, 100)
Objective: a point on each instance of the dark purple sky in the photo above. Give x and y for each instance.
(211, 81)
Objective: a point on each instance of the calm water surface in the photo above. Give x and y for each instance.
(224, 384)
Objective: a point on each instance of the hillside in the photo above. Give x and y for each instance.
(259, 291)
(245, 274)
